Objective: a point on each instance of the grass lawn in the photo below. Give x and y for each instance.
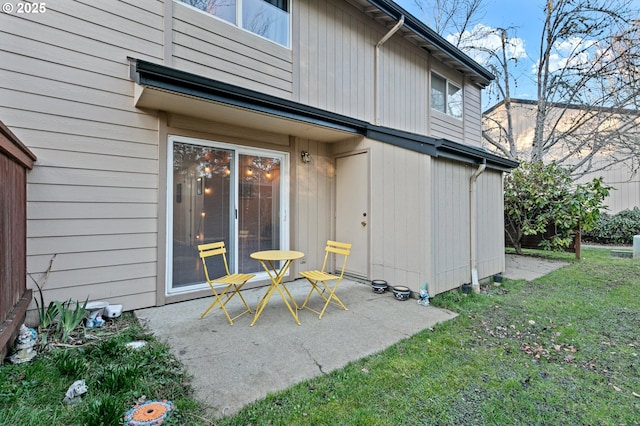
(564, 349)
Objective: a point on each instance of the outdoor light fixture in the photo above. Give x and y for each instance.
(306, 157)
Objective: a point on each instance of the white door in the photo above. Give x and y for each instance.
(352, 210)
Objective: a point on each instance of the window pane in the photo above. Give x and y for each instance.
(438, 92)
(223, 9)
(258, 208)
(201, 208)
(265, 19)
(454, 101)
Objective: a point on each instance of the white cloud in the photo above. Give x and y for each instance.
(482, 39)
(572, 52)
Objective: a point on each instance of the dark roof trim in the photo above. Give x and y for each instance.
(440, 148)
(174, 80)
(166, 78)
(418, 27)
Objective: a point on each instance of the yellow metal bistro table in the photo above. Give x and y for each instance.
(270, 260)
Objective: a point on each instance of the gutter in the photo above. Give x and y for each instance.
(473, 226)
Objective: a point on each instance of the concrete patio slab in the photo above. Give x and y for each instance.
(235, 365)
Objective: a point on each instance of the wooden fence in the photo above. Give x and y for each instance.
(15, 161)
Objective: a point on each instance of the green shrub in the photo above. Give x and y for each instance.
(615, 229)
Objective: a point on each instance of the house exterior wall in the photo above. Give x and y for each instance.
(96, 198)
(490, 223)
(207, 46)
(92, 197)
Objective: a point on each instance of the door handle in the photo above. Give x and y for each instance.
(363, 223)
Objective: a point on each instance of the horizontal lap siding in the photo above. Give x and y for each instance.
(472, 116)
(92, 196)
(205, 45)
(443, 126)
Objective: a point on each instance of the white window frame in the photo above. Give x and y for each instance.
(237, 150)
(239, 24)
(447, 96)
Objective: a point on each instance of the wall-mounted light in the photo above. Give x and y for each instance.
(306, 157)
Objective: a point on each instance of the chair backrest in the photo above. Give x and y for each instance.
(213, 249)
(335, 247)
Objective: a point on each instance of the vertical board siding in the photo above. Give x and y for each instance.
(403, 86)
(334, 72)
(400, 216)
(15, 160)
(12, 233)
(335, 67)
(65, 89)
(211, 47)
(450, 201)
(312, 206)
(490, 224)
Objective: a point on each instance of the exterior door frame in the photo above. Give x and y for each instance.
(366, 237)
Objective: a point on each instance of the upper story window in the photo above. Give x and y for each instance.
(267, 18)
(446, 97)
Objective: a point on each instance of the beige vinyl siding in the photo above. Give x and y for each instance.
(472, 115)
(450, 207)
(333, 43)
(92, 196)
(490, 223)
(400, 216)
(404, 77)
(400, 207)
(211, 47)
(312, 204)
(446, 127)
(335, 67)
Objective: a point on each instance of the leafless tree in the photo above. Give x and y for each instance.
(587, 74)
(450, 17)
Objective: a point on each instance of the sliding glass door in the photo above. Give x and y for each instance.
(222, 192)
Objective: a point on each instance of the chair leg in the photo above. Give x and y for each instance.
(218, 297)
(246, 305)
(314, 286)
(332, 295)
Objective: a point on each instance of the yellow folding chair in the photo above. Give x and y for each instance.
(319, 279)
(229, 284)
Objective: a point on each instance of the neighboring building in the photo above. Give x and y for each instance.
(622, 175)
(158, 126)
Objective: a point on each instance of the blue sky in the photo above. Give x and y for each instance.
(524, 18)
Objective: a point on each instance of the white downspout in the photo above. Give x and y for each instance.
(475, 284)
(376, 59)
